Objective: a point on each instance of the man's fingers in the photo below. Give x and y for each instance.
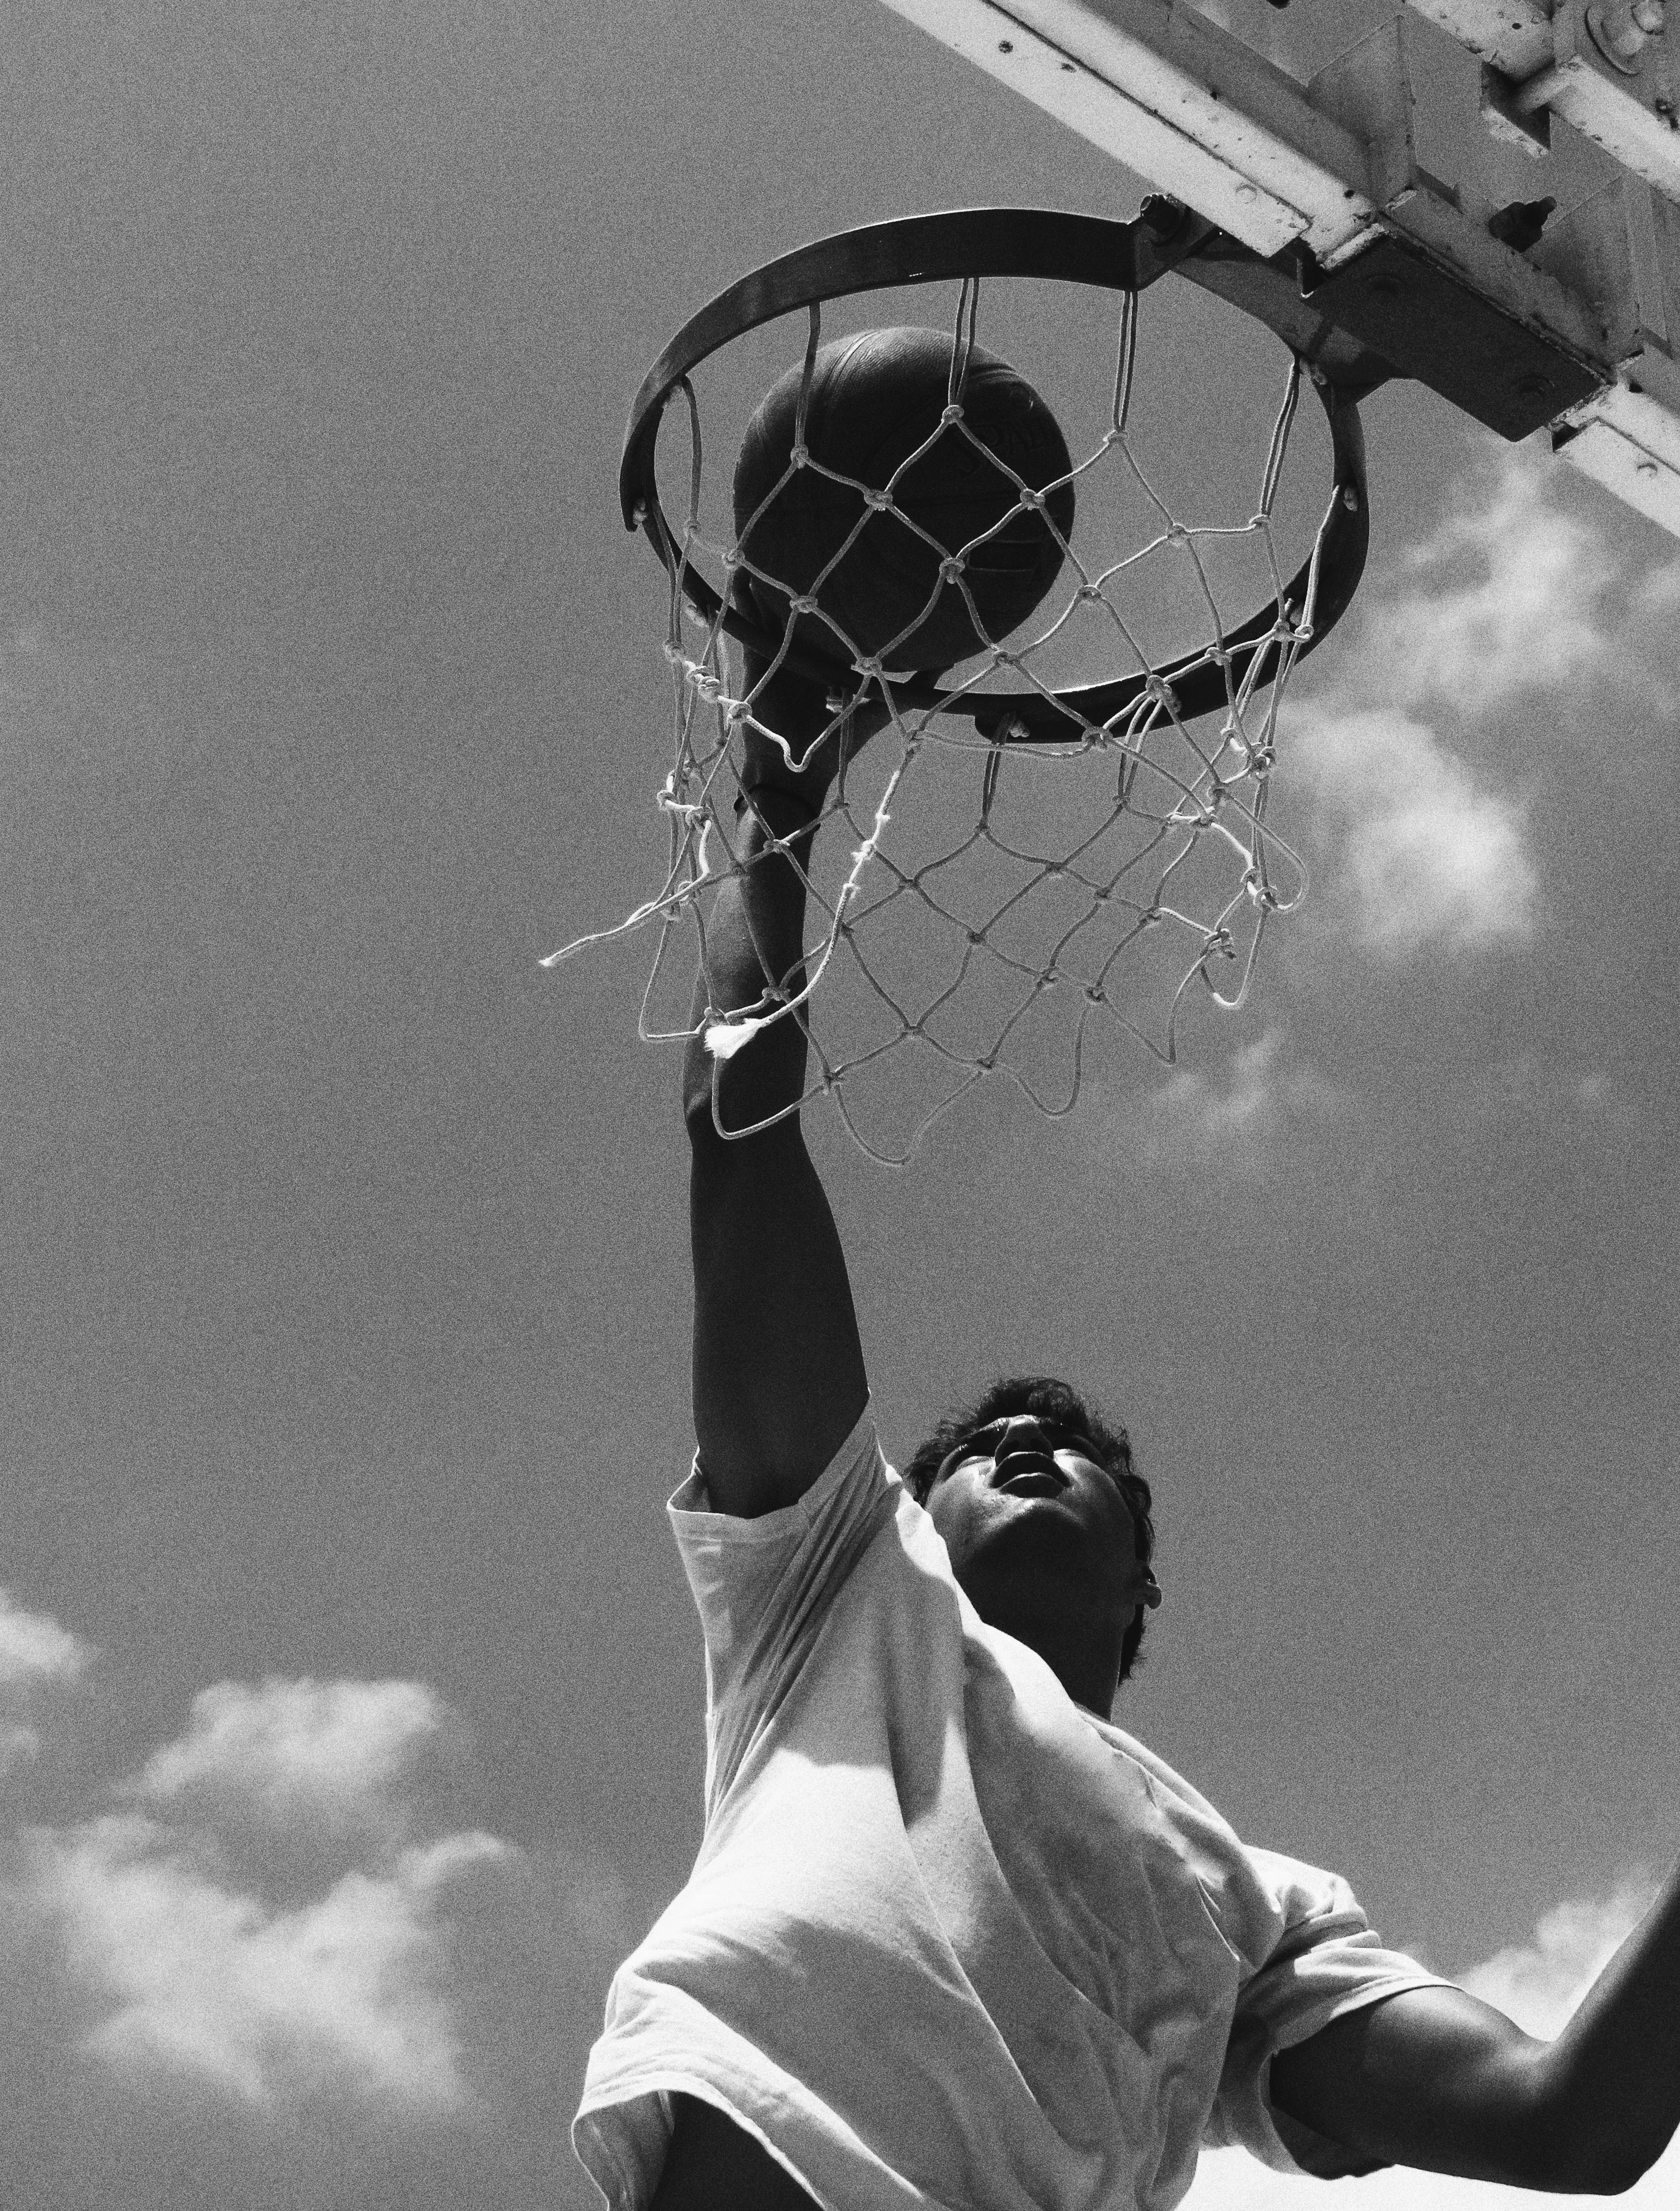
(799, 708)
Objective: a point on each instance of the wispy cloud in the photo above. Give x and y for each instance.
(38, 1662)
(1539, 1983)
(1233, 1117)
(1518, 600)
(320, 1768)
(1511, 593)
(1419, 836)
(1413, 850)
(272, 1961)
(183, 1960)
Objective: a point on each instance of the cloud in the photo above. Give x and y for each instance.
(1539, 1983)
(1234, 1116)
(184, 1976)
(1518, 597)
(275, 1965)
(320, 1771)
(1413, 851)
(1509, 594)
(39, 1660)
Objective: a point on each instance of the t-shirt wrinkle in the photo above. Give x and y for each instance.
(949, 1940)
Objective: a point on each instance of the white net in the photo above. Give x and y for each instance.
(982, 906)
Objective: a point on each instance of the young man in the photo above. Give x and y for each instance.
(951, 1937)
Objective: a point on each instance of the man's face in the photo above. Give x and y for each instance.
(1027, 1501)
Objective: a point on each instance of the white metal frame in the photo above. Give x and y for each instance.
(1332, 166)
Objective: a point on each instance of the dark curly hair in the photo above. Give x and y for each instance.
(1048, 1399)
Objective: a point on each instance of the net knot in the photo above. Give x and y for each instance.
(879, 501)
(724, 1038)
(799, 457)
(951, 568)
(1219, 943)
(806, 604)
(953, 413)
(1033, 501)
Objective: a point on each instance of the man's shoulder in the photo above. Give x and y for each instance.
(763, 1584)
(858, 1466)
(1166, 1778)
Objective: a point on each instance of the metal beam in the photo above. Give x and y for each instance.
(1513, 36)
(1157, 86)
(1553, 63)
(1627, 438)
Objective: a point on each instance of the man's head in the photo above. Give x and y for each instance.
(1048, 1524)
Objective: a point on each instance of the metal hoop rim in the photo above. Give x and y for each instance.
(1008, 242)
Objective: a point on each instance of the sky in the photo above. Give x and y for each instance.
(350, 1699)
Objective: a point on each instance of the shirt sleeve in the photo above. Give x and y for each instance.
(764, 1587)
(1326, 1961)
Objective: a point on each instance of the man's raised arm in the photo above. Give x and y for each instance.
(1434, 2078)
(778, 1367)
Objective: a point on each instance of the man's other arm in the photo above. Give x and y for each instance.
(1434, 2077)
(778, 1369)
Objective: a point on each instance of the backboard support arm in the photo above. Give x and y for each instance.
(1325, 176)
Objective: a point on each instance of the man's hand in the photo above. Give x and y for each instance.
(1435, 2078)
(820, 729)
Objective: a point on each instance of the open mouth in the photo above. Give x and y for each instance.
(1034, 1482)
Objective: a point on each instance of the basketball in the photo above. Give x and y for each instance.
(875, 398)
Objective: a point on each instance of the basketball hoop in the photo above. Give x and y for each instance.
(1170, 874)
(966, 246)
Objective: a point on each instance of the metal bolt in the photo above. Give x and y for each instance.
(1162, 214)
(1621, 29)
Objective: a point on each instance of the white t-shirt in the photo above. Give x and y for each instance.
(949, 1939)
